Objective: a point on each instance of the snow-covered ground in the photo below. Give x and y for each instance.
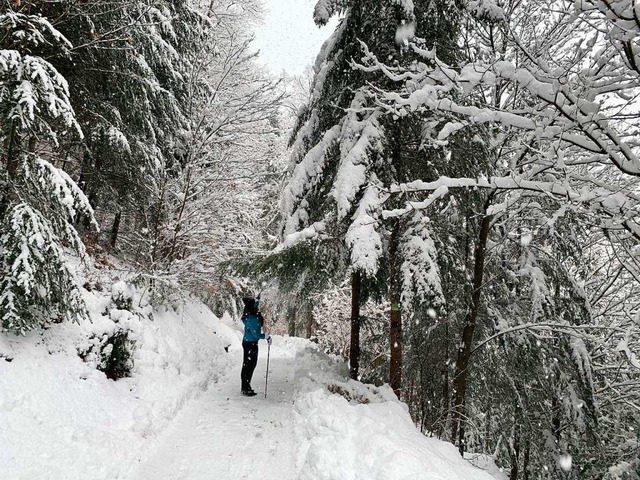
(224, 435)
(181, 415)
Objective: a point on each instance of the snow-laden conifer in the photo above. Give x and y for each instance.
(346, 150)
(40, 202)
(37, 283)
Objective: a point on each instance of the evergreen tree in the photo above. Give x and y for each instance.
(346, 151)
(38, 201)
(128, 76)
(211, 203)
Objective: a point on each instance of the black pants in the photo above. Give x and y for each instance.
(249, 361)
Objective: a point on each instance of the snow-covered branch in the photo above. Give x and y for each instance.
(619, 210)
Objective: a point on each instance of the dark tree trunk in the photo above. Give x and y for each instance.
(354, 347)
(555, 420)
(395, 330)
(310, 323)
(292, 322)
(12, 155)
(525, 462)
(514, 453)
(12, 166)
(462, 429)
(444, 407)
(115, 229)
(464, 351)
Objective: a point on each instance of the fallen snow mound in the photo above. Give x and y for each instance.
(351, 431)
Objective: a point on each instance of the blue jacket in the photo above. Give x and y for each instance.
(252, 327)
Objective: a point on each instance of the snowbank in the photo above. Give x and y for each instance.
(351, 431)
(61, 418)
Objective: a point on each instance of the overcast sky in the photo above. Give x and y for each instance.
(289, 40)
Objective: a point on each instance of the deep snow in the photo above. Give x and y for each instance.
(181, 415)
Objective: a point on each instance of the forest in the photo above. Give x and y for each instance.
(449, 199)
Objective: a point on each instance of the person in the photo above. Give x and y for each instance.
(253, 332)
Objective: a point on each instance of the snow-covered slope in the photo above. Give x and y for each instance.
(60, 418)
(180, 415)
(351, 431)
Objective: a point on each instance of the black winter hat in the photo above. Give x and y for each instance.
(249, 302)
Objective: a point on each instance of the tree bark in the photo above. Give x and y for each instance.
(525, 463)
(12, 165)
(292, 322)
(395, 330)
(444, 406)
(308, 311)
(514, 453)
(173, 255)
(354, 348)
(13, 146)
(464, 351)
(115, 229)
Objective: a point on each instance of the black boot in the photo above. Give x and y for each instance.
(248, 392)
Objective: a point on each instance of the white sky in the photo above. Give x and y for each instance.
(289, 40)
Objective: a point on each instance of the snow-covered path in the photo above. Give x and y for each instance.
(300, 431)
(223, 435)
(61, 419)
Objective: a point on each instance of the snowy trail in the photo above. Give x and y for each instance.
(224, 435)
(61, 419)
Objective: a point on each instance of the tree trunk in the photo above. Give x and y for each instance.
(525, 462)
(308, 311)
(12, 165)
(157, 220)
(464, 351)
(462, 429)
(115, 229)
(12, 156)
(444, 406)
(354, 348)
(395, 330)
(555, 420)
(514, 453)
(292, 322)
(173, 248)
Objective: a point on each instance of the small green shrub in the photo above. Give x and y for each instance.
(111, 354)
(115, 356)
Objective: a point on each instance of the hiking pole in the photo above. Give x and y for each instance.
(266, 380)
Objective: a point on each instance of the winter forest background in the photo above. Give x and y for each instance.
(449, 198)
